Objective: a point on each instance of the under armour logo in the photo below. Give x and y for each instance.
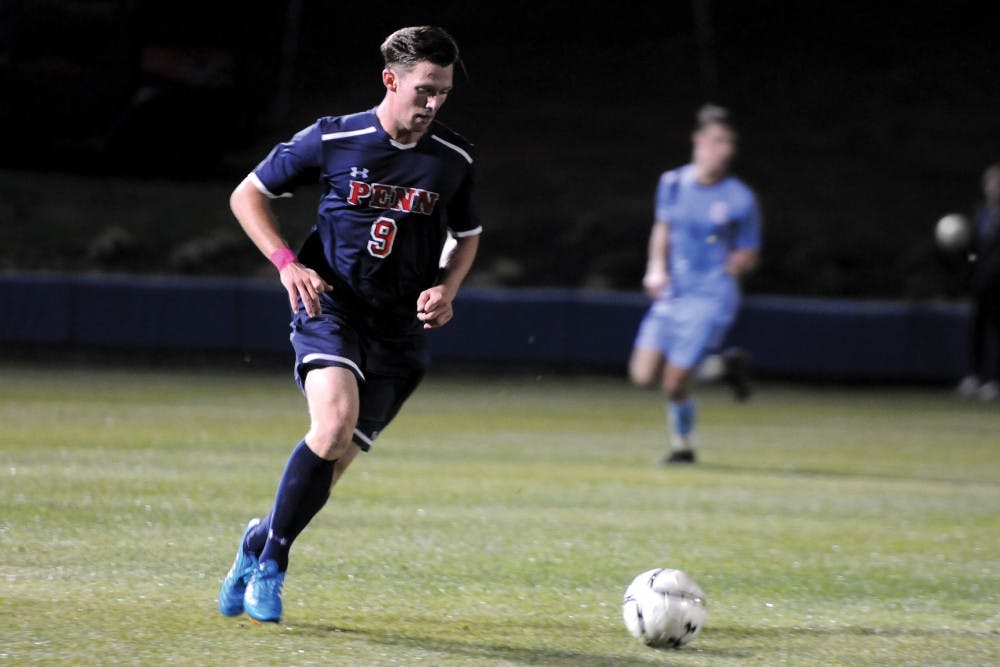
(359, 173)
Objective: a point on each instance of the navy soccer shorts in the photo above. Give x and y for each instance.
(389, 362)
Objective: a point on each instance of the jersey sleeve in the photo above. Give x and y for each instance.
(748, 226)
(291, 164)
(666, 193)
(463, 214)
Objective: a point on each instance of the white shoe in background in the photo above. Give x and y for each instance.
(968, 387)
(989, 391)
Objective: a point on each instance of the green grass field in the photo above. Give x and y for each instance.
(497, 523)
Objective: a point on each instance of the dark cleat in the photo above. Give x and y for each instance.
(678, 457)
(735, 373)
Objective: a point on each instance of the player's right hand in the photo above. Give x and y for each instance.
(655, 283)
(301, 282)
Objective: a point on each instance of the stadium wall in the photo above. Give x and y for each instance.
(792, 338)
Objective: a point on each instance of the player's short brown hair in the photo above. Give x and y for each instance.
(712, 114)
(408, 46)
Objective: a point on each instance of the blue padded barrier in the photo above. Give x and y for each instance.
(787, 337)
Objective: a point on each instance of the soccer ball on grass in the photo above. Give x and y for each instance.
(664, 608)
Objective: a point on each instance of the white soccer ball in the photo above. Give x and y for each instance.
(664, 608)
(953, 232)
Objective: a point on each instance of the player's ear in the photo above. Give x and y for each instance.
(389, 79)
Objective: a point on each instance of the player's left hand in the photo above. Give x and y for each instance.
(434, 307)
(740, 262)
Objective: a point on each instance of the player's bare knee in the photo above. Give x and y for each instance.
(330, 440)
(327, 447)
(645, 367)
(642, 377)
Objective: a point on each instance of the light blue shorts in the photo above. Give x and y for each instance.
(685, 329)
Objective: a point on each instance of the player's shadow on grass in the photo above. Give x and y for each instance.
(775, 634)
(738, 643)
(836, 474)
(550, 657)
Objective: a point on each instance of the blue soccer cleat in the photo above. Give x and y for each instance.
(235, 583)
(262, 599)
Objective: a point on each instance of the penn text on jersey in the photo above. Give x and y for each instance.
(394, 197)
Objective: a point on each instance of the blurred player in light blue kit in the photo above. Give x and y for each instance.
(706, 235)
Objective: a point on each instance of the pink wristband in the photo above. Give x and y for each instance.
(282, 257)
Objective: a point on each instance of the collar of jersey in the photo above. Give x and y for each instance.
(691, 179)
(393, 142)
(403, 147)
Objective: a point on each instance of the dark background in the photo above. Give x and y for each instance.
(124, 125)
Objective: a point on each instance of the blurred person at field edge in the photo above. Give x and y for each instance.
(983, 380)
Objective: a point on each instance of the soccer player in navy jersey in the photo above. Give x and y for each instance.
(984, 380)
(706, 235)
(364, 284)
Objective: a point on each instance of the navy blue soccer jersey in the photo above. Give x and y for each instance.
(385, 208)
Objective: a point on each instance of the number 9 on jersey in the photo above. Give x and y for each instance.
(383, 235)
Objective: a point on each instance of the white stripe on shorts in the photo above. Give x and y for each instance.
(318, 356)
(363, 438)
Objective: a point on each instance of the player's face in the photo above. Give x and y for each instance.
(419, 93)
(714, 148)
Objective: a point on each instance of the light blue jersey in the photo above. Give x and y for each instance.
(706, 223)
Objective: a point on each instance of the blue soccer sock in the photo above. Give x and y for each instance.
(257, 537)
(682, 416)
(302, 492)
